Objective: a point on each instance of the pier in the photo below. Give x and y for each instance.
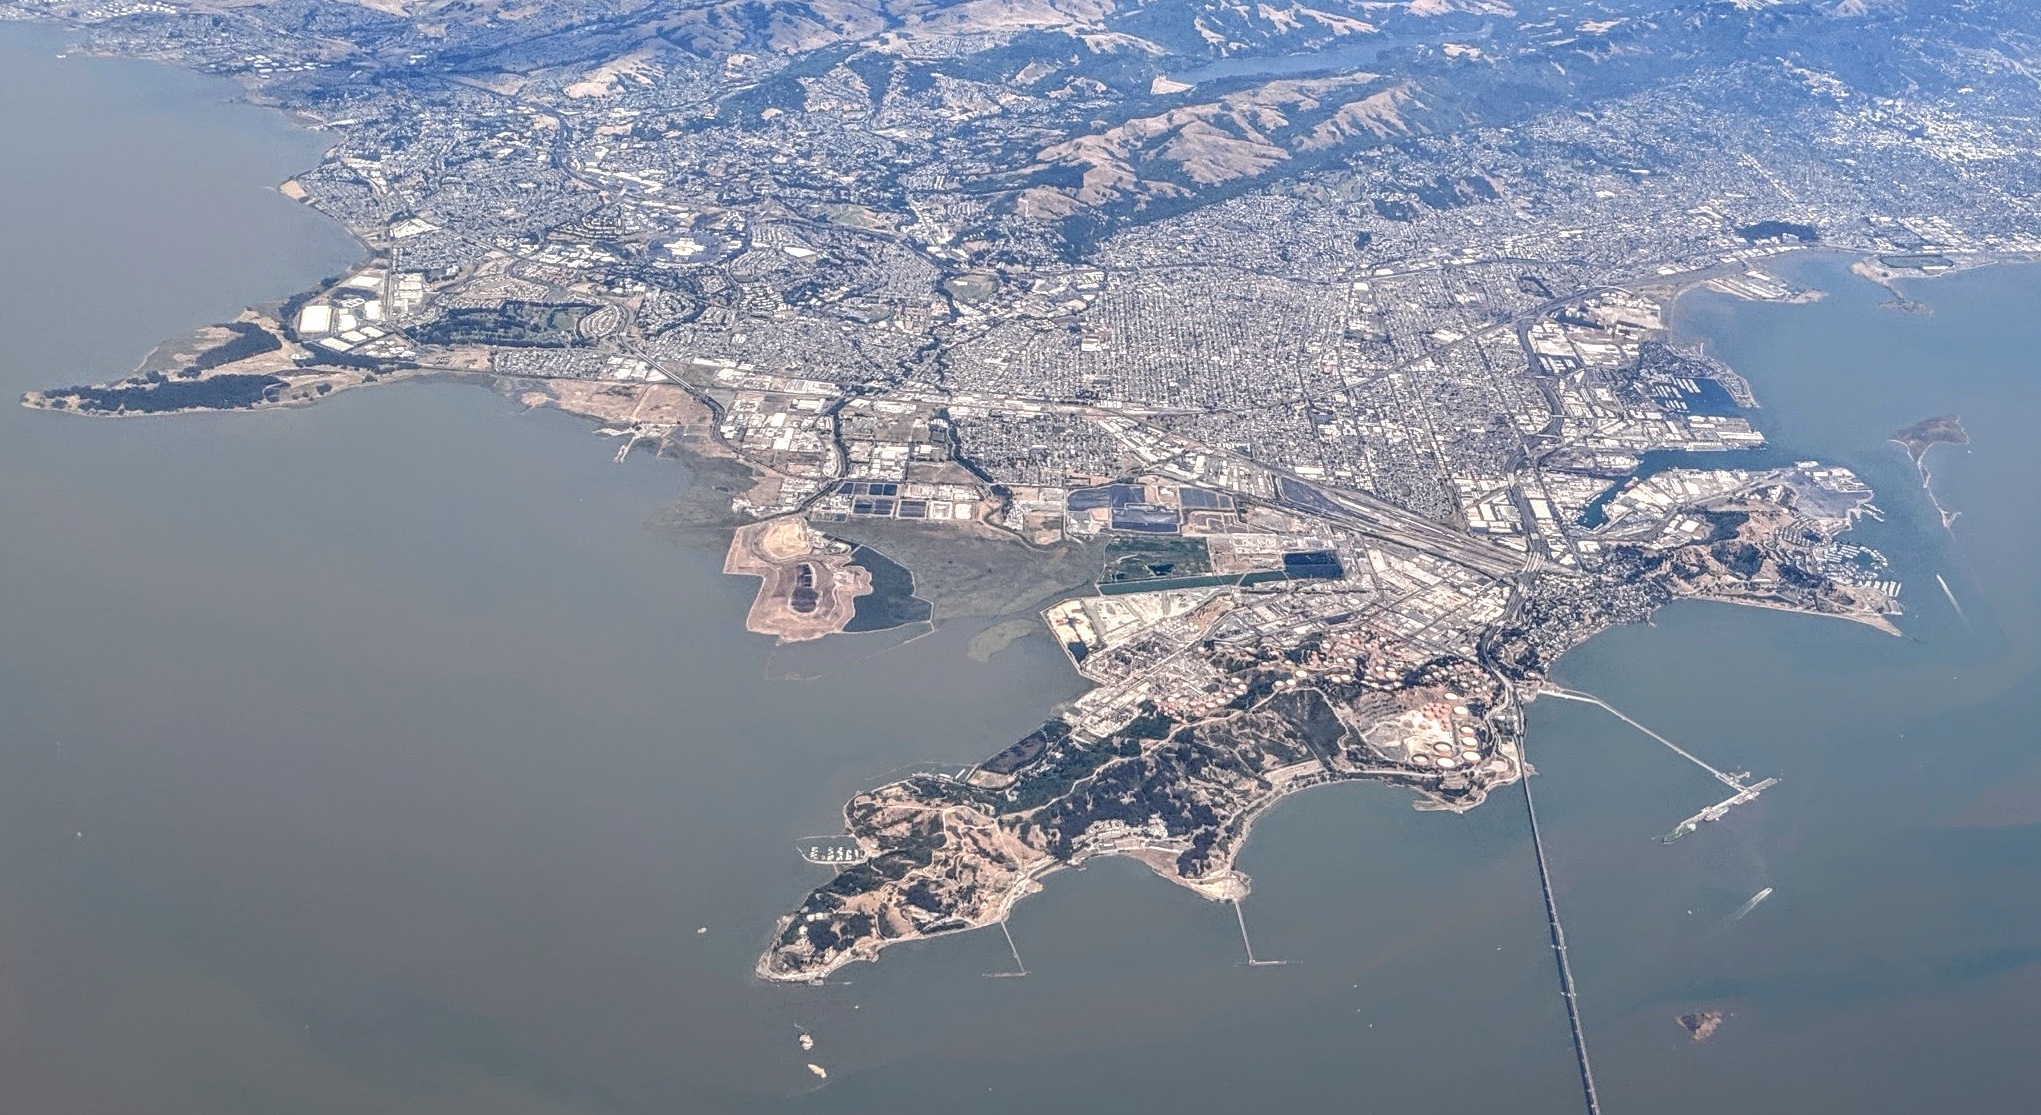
(1020, 967)
(1251, 961)
(1566, 990)
(1730, 780)
(1715, 812)
(1733, 781)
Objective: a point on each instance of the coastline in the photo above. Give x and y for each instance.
(700, 446)
(431, 721)
(1225, 882)
(1218, 885)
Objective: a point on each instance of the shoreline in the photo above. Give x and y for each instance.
(1221, 884)
(1226, 884)
(1224, 881)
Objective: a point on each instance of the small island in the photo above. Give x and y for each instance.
(1701, 1025)
(1927, 433)
(1924, 435)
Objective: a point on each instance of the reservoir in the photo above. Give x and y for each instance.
(379, 756)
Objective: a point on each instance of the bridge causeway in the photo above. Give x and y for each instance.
(1566, 987)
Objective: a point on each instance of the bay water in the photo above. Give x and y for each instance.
(379, 756)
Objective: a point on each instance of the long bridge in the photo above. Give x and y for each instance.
(1743, 793)
(1566, 988)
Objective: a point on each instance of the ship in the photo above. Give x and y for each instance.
(1752, 904)
(1719, 809)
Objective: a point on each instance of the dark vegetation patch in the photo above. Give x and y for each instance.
(892, 602)
(1029, 749)
(1151, 723)
(157, 395)
(248, 340)
(1064, 765)
(1311, 720)
(1740, 558)
(517, 324)
(1779, 230)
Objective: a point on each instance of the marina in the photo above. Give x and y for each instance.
(831, 851)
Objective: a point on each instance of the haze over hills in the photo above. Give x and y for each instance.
(1077, 110)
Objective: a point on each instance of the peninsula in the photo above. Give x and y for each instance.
(1313, 414)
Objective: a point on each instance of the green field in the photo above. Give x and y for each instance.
(1131, 559)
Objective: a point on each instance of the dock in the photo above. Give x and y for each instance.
(1588, 698)
(1251, 961)
(1020, 967)
(1716, 811)
(1744, 793)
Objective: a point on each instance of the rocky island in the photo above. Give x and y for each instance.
(1701, 1025)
